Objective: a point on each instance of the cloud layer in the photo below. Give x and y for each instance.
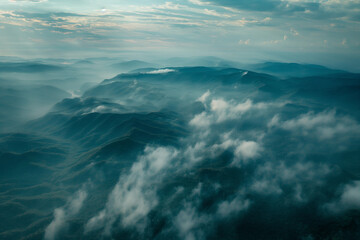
(251, 29)
(262, 171)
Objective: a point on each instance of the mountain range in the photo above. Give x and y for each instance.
(203, 149)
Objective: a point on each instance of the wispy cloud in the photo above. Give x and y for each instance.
(188, 26)
(64, 214)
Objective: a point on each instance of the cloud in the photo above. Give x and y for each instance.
(233, 207)
(189, 223)
(243, 150)
(135, 195)
(63, 214)
(161, 71)
(275, 6)
(255, 5)
(215, 13)
(201, 120)
(196, 153)
(324, 125)
(198, 2)
(316, 10)
(135, 27)
(56, 225)
(348, 200)
(221, 110)
(204, 97)
(247, 150)
(274, 178)
(266, 186)
(226, 140)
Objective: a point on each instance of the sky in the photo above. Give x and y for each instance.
(309, 31)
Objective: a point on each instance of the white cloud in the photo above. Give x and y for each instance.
(274, 121)
(62, 215)
(219, 105)
(271, 177)
(170, 6)
(215, 13)
(349, 199)
(323, 125)
(99, 108)
(247, 150)
(56, 225)
(243, 150)
(204, 97)
(198, 2)
(233, 207)
(161, 71)
(221, 110)
(135, 194)
(189, 223)
(200, 120)
(266, 186)
(195, 153)
(310, 120)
